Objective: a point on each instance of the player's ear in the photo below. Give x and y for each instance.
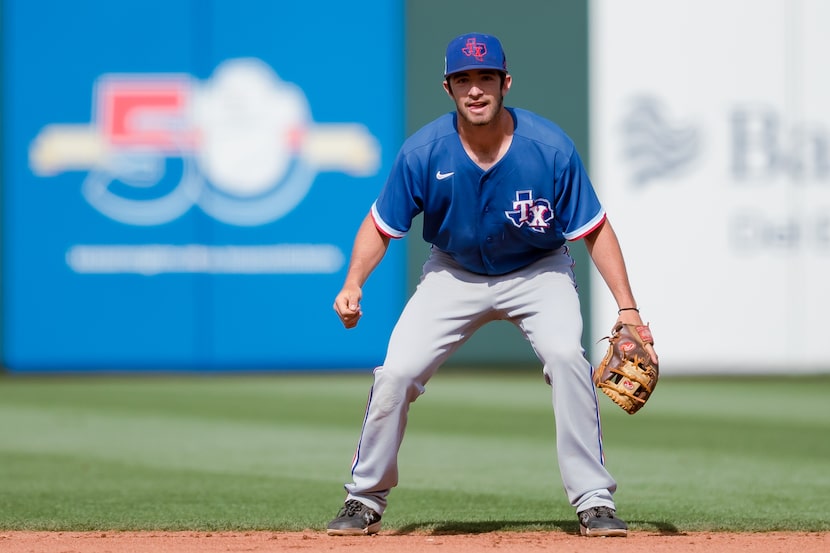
(447, 87)
(508, 82)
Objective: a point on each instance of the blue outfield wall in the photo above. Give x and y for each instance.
(182, 182)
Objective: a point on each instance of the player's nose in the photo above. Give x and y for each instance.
(475, 91)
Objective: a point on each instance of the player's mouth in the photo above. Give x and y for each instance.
(477, 107)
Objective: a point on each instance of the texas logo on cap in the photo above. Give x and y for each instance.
(474, 51)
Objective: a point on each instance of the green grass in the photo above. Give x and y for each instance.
(273, 452)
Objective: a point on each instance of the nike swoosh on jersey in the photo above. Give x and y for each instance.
(441, 176)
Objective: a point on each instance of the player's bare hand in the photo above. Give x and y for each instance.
(632, 317)
(347, 306)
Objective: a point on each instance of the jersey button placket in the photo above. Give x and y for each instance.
(487, 223)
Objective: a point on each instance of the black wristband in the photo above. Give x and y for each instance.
(637, 309)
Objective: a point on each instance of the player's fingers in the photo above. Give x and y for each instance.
(346, 302)
(351, 322)
(350, 318)
(652, 353)
(347, 307)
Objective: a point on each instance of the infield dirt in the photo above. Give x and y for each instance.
(257, 542)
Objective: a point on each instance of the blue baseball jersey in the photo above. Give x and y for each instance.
(495, 221)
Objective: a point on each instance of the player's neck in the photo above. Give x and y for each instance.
(487, 144)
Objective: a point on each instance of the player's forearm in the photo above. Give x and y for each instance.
(369, 248)
(604, 249)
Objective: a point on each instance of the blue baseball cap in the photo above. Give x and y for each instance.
(474, 51)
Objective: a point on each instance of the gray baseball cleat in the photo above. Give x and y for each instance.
(601, 522)
(354, 519)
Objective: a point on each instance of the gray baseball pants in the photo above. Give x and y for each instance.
(448, 306)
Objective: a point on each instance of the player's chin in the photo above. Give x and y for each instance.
(479, 118)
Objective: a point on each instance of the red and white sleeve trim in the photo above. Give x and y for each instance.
(383, 227)
(587, 228)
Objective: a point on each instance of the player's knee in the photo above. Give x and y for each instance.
(396, 387)
(561, 358)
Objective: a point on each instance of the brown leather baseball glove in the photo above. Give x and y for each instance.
(627, 374)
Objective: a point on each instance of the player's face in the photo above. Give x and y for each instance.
(478, 94)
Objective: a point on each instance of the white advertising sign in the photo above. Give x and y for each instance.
(710, 149)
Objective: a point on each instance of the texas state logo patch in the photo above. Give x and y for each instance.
(537, 214)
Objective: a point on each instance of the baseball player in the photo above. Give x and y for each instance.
(501, 190)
